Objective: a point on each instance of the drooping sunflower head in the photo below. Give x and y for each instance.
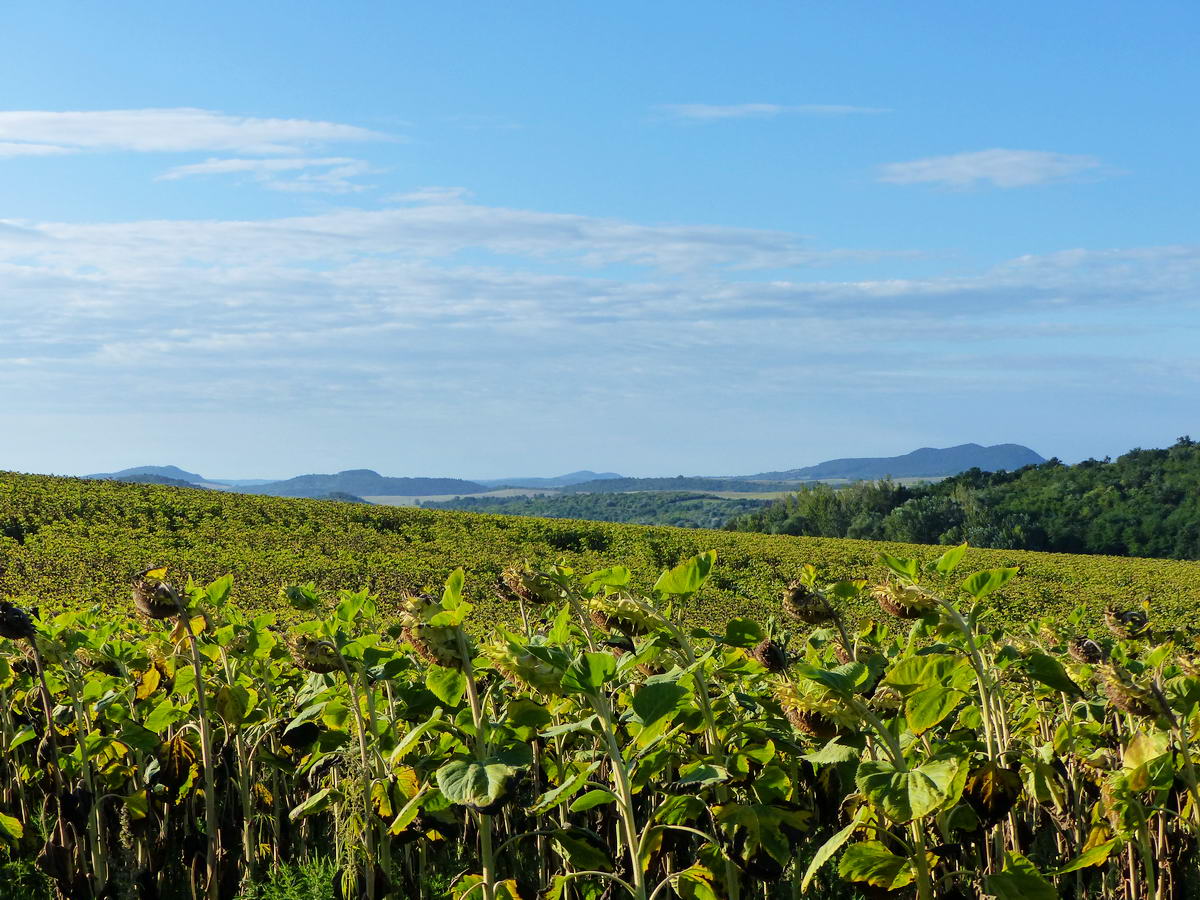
(805, 604)
(903, 601)
(153, 596)
(621, 613)
(524, 583)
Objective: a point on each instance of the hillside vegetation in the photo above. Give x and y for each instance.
(1145, 503)
(927, 462)
(67, 543)
(682, 509)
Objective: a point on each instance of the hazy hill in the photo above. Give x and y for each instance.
(678, 483)
(583, 475)
(172, 472)
(928, 462)
(363, 483)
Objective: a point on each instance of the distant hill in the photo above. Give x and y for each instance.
(363, 482)
(172, 472)
(583, 475)
(678, 483)
(158, 479)
(928, 462)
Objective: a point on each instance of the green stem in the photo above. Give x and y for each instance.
(488, 861)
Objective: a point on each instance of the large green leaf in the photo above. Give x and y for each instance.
(925, 708)
(474, 783)
(655, 701)
(687, 577)
(826, 851)
(925, 670)
(1020, 880)
(234, 701)
(872, 862)
(902, 566)
(1093, 856)
(445, 683)
(11, 830)
(905, 796)
(695, 883)
(948, 561)
(318, 802)
(583, 849)
(1050, 672)
(589, 672)
(983, 583)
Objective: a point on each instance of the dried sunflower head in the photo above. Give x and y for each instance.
(536, 666)
(15, 623)
(809, 710)
(806, 605)
(1130, 697)
(313, 654)
(436, 644)
(532, 587)
(155, 598)
(1084, 650)
(621, 613)
(1127, 623)
(903, 601)
(771, 655)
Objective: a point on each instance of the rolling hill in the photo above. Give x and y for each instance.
(927, 462)
(363, 483)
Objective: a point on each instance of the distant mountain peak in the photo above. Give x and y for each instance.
(173, 472)
(926, 462)
(557, 481)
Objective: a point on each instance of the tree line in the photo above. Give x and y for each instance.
(1144, 503)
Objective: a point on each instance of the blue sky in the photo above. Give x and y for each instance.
(487, 240)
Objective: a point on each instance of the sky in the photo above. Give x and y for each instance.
(489, 240)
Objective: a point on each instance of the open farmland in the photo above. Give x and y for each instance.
(66, 543)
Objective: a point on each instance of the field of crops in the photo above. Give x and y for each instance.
(68, 544)
(200, 694)
(601, 749)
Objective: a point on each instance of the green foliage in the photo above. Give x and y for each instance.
(602, 744)
(1145, 503)
(642, 507)
(71, 544)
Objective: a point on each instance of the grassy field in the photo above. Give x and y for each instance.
(66, 543)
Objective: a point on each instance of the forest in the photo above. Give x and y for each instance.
(682, 509)
(1144, 503)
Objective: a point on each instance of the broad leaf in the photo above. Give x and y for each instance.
(983, 583)
(589, 672)
(872, 862)
(905, 796)
(1020, 880)
(445, 683)
(656, 701)
(688, 577)
(473, 782)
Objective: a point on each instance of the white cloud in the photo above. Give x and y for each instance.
(332, 176)
(433, 194)
(12, 148)
(425, 306)
(1001, 168)
(710, 111)
(166, 131)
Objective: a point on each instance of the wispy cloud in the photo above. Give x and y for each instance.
(707, 112)
(332, 174)
(433, 194)
(15, 148)
(166, 131)
(1000, 168)
(436, 301)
